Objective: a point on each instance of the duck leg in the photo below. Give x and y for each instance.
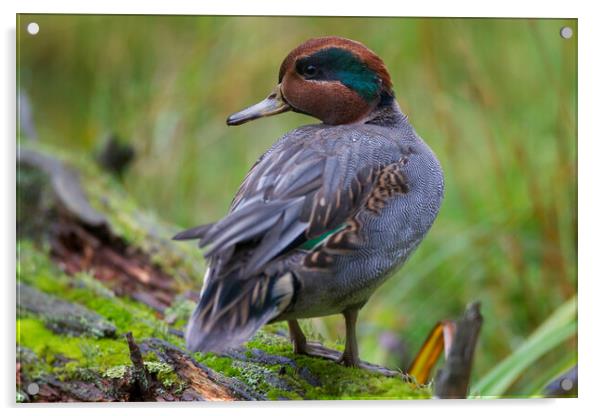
(297, 337)
(304, 347)
(350, 356)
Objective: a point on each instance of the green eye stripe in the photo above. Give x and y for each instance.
(344, 66)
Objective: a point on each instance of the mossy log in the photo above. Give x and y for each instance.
(104, 294)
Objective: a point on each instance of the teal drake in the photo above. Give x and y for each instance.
(327, 214)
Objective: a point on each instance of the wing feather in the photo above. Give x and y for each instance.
(300, 189)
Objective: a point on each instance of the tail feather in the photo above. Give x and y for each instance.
(194, 233)
(231, 310)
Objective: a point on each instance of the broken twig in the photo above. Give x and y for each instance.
(452, 380)
(142, 381)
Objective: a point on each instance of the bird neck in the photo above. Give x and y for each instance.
(387, 113)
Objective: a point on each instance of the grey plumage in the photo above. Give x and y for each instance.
(378, 185)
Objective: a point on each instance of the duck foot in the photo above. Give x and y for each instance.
(313, 349)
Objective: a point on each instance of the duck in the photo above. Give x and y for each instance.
(327, 214)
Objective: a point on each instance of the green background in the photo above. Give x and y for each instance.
(494, 98)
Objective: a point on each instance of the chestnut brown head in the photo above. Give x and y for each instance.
(336, 80)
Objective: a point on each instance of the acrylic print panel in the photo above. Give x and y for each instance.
(466, 289)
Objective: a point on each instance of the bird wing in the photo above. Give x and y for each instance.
(302, 189)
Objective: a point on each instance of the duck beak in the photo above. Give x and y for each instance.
(273, 104)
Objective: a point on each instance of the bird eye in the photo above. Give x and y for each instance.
(310, 70)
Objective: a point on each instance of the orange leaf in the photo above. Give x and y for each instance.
(439, 339)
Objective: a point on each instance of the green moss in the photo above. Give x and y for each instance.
(337, 382)
(37, 269)
(271, 344)
(127, 316)
(83, 351)
(222, 365)
(109, 357)
(340, 382)
(150, 356)
(251, 375)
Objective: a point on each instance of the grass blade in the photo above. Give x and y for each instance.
(560, 326)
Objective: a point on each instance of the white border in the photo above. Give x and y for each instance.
(590, 209)
(508, 8)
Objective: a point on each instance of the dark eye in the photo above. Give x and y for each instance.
(310, 71)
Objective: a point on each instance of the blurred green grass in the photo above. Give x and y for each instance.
(494, 98)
